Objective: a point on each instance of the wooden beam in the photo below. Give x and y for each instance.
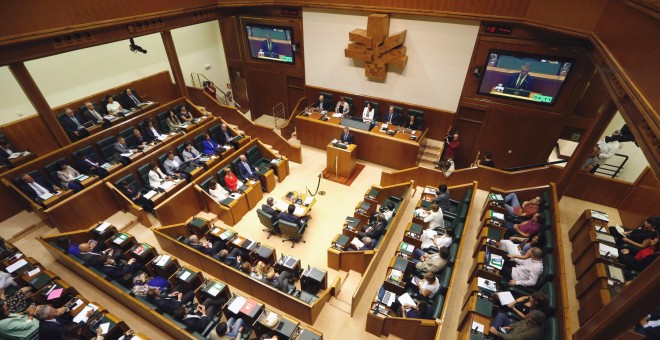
(633, 303)
(175, 66)
(39, 102)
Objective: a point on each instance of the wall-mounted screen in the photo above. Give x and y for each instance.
(273, 43)
(526, 77)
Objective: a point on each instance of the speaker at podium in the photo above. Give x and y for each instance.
(341, 159)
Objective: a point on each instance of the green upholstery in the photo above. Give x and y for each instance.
(214, 131)
(327, 97)
(267, 221)
(436, 307)
(143, 171)
(120, 286)
(468, 195)
(291, 232)
(547, 243)
(458, 231)
(349, 101)
(148, 304)
(549, 272)
(97, 272)
(462, 215)
(197, 141)
(52, 168)
(551, 291)
(255, 157)
(445, 280)
(75, 258)
(129, 178)
(234, 166)
(161, 159)
(545, 196)
(179, 150)
(416, 113)
(142, 125)
(547, 223)
(551, 329)
(127, 132)
(453, 253)
(205, 183)
(398, 110)
(33, 173)
(105, 145)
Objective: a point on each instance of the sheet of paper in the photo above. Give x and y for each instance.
(357, 243)
(163, 259)
(82, 316)
(46, 196)
(105, 327)
(167, 184)
(185, 275)
(505, 298)
(102, 227)
(150, 194)
(616, 273)
(34, 272)
(497, 215)
(18, 264)
(300, 210)
(605, 238)
(405, 299)
(236, 305)
(281, 205)
(477, 327)
(127, 154)
(15, 155)
(486, 284)
(308, 200)
(162, 137)
(213, 291)
(604, 250)
(337, 115)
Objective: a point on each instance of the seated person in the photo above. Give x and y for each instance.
(247, 171)
(269, 208)
(418, 311)
(6, 280)
(92, 255)
(36, 187)
(368, 113)
(527, 209)
(288, 216)
(225, 137)
(388, 210)
(279, 281)
(231, 181)
(256, 272)
(195, 320)
(391, 117)
(529, 328)
(173, 122)
(217, 192)
(649, 326)
(17, 325)
(433, 216)
(168, 303)
(374, 230)
(118, 270)
(346, 136)
(525, 272)
(234, 258)
(447, 167)
(322, 104)
(152, 134)
(430, 238)
(16, 300)
(73, 125)
(113, 107)
(141, 141)
(119, 148)
(519, 250)
(230, 330)
(142, 283)
(410, 123)
(603, 151)
(369, 244)
(53, 320)
(67, 176)
(427, 286)
(89, 165)
(432, 263)
(95, 116)
(210, 147)
(156, 176)
(442, 198)
(527, 228)
(135, 195)
(488, 160)
(132, 100)
(521, 307)
(173, 165)
(184, 115)
(190, 154)
(643, 258)
(640, 237)
(207, 248)
(343, 107)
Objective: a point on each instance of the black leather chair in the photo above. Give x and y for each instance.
(52, 168)
(127, 132)
(291, 232)
(267, 221)
(197, 141)
(327, 97)
(162, 121)
(143, 171)
(105, 145)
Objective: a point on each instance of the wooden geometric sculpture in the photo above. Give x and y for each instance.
(376, 48)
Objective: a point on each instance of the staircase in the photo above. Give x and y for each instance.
(349, 284)
(431, 153)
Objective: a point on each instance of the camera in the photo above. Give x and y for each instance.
(135, 48)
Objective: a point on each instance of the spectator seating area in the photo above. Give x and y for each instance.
(387, 315)
(46, 288)
(304, 302)
(164, 271)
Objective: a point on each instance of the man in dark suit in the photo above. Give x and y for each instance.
(322, 104)
(248, 171)
(116, 271)
(521, 80)
(150, 131)
(94, 257)
(204, 247)
(269, 47)
(88, 164)
(53, 320)
(347, 137)
(225, 136)
(279, 281)
(171, 302)
(375, 230)
(233, 259)
(140, 139)
(135, 195)
(73, 125)
(196, 320)
(119, 148)
(269, 209)
(131, 99)
(36, 187)
(391, 117)
(369, 244)
(94, 115)
(288, 216)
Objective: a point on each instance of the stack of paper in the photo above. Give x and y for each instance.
(405, 299)
(150, 194)
(82, 316)
(505, 298)
(163, 259)
(235, 306)
(300, 210)
(606, 250)
(102, 227)
(357, 243)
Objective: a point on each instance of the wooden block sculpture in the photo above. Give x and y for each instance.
(376, 48)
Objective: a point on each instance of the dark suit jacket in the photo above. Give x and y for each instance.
(27, 189)
(91, 259)
(196, 324)
(166, 305)
(149, 135)
(88, 114)
(350, 139)
(325, 106)
(119, 149)
(70, 126)
(412, 126)
(131, 192)
(86, 167)
(222, 139)
(143, 139)
(393, 116)
(375, 233)
(243, 172)
(116, 272)
(49, 330)
(273, 51)
(128, 103)
(285, 216)
(525, 85)
(270, 211)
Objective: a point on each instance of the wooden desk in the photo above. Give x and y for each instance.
(164, 265)
(481, 269)
(25, 157)
(343, 159)
(374, 147)
(249, 310)
(282, 168)
(293, 196)
(494, 202)
(586, 243)
(493, 233)
(413, 234)
(123, 241)
(594, 291)
(284, 328)
(143, 252)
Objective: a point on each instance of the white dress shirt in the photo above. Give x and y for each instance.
(527, 272)
(367, 115)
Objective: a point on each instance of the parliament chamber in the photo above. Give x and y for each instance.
(319, 170)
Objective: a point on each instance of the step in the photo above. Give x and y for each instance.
(342, 306)
(349, 286)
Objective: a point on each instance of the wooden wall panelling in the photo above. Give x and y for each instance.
(598, 189)
(179, 207)
(469, 122)
(583, 15)
(641, 201)
(295, 89)
(80, 211)
(9, 203)
(230, 37)
(266, 88)
(30, 133)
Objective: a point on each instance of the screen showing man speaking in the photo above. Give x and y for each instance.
(271, 43)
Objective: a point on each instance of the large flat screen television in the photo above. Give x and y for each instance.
(526, 77)
(272, 43)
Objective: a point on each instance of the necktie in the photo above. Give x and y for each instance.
(38, 188)
(76, 121)
(226, 135)
(269, 46)
(135, 100)
(520, 80)
(193, 153)
(248, 168)
(96, 115)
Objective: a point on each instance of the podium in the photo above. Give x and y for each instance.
(345, 158)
